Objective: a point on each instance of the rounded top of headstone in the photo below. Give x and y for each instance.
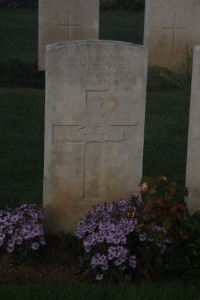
(93, 42)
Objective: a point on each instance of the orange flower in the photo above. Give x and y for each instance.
(131, 213)
(144, 187)
(163, 178)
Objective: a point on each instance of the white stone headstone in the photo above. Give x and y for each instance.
(171, 28)
(94, 126)
(63, 20)
(193, 152)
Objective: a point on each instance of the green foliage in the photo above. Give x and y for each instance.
(164, 79)
(192, 227)
(19, 73)
(68, 242)
(166, 133)
(135, 5)
(165, 206)
(183, 258)
(164, 202)
(181, 79)
(157, 82)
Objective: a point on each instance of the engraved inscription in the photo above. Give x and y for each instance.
(174, 29)
(109, 70)
(68, 26)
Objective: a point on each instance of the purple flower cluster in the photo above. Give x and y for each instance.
(13, 5)
(112, 237)
(22, 226)
(99, 260)
(155, 235)
(108, 226)
(157, 228)
(19, 4)
(118, 254)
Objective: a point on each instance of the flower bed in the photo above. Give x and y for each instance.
(132, 237)
(22, 228)
(146, 236)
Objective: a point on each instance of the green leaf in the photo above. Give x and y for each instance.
(167, 222)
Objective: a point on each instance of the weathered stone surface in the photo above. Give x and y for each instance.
(94, 126)
(63, 20)
(193, 154)
(170, 28)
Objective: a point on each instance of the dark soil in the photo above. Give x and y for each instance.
(55, 263)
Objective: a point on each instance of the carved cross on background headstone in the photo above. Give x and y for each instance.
(174, 28)
(68, 26)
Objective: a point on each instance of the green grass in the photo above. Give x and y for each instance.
(18, 35)
(122, 26)
(21, 146)
(145, 291)
(19, 31)
(166, 129)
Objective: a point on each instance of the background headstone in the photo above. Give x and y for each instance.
(193, 154)
(63, 20)
(170, 28)
(94, 126)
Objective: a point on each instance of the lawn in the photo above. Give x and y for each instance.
(122, 26)
(18, 35)
(22, 136)
(145, 291)
(21, 146)
(166, 127)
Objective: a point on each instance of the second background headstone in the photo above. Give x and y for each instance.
(171, 29)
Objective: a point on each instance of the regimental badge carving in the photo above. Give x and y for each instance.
(95, 127)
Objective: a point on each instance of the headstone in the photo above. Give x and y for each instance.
(193, 153)
(94, 126)
(63, 20)
(171, 29)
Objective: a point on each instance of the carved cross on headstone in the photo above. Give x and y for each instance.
(174, 28)
(68, 26)
(94, 129)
